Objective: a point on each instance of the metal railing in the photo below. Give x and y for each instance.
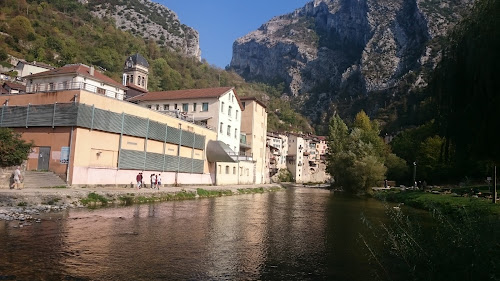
(65, 86)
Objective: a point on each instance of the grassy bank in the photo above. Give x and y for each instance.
(447, 203)
(94, 199)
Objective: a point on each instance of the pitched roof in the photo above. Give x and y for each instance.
(138, 59)
(186, 94)
(254, 99)
(80, 69)
(183, 94)
(15, 86)
(36, 63)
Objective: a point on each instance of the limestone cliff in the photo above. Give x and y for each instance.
(151, 21)
(340, 48)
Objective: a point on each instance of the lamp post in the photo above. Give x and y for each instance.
(414, 174)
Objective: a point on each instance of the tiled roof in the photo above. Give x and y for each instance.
(138, 59)
(254, 99)
(186, 94)
(80, 69)
(15, 86)
(182, 94)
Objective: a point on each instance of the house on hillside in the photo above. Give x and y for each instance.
(75, 77)
(25, 68)
(11, 88)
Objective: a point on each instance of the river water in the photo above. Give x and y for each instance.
(297, 234)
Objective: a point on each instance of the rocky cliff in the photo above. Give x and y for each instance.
(151, 21)
(332, 49)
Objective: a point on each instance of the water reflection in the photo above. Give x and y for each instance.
(300, 234)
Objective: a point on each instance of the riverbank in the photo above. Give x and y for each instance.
(447, 202)
(22, 204)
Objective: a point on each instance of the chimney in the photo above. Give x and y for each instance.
(91, 71)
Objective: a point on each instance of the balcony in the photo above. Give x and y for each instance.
(65, 86)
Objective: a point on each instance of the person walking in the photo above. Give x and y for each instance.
(152, 179)
(158, 181)
(17, 178)
(138, 178)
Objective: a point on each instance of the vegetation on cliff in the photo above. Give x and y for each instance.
(60, 32)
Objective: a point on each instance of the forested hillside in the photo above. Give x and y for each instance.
(60, 32)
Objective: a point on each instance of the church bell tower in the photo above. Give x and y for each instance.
(135, 72)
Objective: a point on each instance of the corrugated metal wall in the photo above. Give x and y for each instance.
(85, 116)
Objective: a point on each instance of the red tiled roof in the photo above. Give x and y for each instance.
(137, 88)
(185, 94)
(254, 99)
(15, 86)
(79, 69)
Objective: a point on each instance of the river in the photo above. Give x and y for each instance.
(297, 234)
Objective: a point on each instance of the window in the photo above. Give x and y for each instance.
(222, 107)
(166, 107)
(157, 107)
(220, 169)
(101, 91)
(175, 106)
(236, 115)
(234, 170)
(204, 106)
(221, 124)
(149, 106)
(243, 104)
(51, 87)
(194, 107)
(143, 79)
(235, 133)
(185, 107)
(229, 130)
(227, 169)
(229, 110)
(138, 80)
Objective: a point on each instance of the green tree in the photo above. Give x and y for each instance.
(13, 150)
(20, 27)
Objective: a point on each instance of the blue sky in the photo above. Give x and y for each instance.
(221, 22)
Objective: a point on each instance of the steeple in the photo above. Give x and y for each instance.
(135, 71)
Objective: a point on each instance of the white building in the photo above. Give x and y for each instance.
(295, 157)
(75, 77)
(217, 108)
(25, 68)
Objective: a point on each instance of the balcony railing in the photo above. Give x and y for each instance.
(65, 86)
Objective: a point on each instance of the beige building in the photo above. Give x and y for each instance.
(295, 157)
(254, 127)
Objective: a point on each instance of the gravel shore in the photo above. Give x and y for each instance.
(24, 204)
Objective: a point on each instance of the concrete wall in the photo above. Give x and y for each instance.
(235, 173)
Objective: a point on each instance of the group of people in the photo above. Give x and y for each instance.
(155, 181)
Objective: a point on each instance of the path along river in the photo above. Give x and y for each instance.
(297, 234)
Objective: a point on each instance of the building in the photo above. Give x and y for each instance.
(25, 68)
(88, 139)
(75, 77)
(11, 88)
(135, 75)
(218, 109)
(295, 157)
(254, 128)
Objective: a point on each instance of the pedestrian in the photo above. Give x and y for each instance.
(138, 178)
(158, 180)
(17, 178)
(152, 179)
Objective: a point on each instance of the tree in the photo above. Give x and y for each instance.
(353, 161)
(20, 27)
(13, 150)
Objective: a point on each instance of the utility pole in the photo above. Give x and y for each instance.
(495, 185)
(414, 174)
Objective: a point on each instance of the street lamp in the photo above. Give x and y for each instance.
(414, 174)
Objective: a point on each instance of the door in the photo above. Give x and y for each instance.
(43, 158)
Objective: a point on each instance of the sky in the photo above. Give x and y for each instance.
(221, 22)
